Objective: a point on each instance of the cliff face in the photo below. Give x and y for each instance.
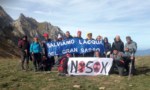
(30, 27)
(11, 30)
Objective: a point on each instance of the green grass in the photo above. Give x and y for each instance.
(13, 78)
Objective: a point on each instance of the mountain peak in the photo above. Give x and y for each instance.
(22, 16)
(5, 19)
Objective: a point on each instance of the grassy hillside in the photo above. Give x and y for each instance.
(12, 78)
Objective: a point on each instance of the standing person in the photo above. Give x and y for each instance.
(36, 50)
(89, 54)
(130, 50)
(79, 36)
(24, 46)
(118, 44)
(67, 35)
(99, 38)
(50, 60)
(107, 47)
(59, 38)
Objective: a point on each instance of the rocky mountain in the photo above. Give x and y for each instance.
(30, 27)
(11, 30)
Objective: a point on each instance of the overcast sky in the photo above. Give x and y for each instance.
(101, 17)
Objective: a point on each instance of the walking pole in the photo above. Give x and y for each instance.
(130, 68)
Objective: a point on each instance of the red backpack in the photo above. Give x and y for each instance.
(62, 63)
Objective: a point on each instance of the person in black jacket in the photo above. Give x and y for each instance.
(50, 61)
(118, 44)
(67, 35)
(24, 46)
(107, 47)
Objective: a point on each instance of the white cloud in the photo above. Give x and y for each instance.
(106, 17)
(15, 8)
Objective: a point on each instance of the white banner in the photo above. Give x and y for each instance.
(89, 66)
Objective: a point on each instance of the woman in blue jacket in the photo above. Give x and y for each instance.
(35, 50)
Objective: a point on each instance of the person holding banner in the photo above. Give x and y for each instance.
(59, 38)
(67, 35)
(49, 60)
(36, 50)
(79, 36)
(89, 54)
(100, 38)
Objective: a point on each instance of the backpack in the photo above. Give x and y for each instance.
(63, 65)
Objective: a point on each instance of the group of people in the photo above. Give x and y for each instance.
(122, 54)
(36, 52)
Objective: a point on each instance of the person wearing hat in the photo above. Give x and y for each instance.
(130, 50)
(89, 54)
(50, 60)
(89, 36)
(24, 46)
(59, 38)
(36, 50)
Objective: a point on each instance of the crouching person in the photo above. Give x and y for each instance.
(62, 68)
(35, 50)
(43, 64)
(118, 62)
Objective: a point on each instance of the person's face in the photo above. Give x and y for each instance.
(60, 39)
(99, 38)
(105, 40)
(79, 34)
(97, 54)
(117, 38)
(115, 52)
(67, 34)
(89, 36)
(35, 39)
(128, 40)
(24, 38)
(46, 38)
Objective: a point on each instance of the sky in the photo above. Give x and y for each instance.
(107, 18)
